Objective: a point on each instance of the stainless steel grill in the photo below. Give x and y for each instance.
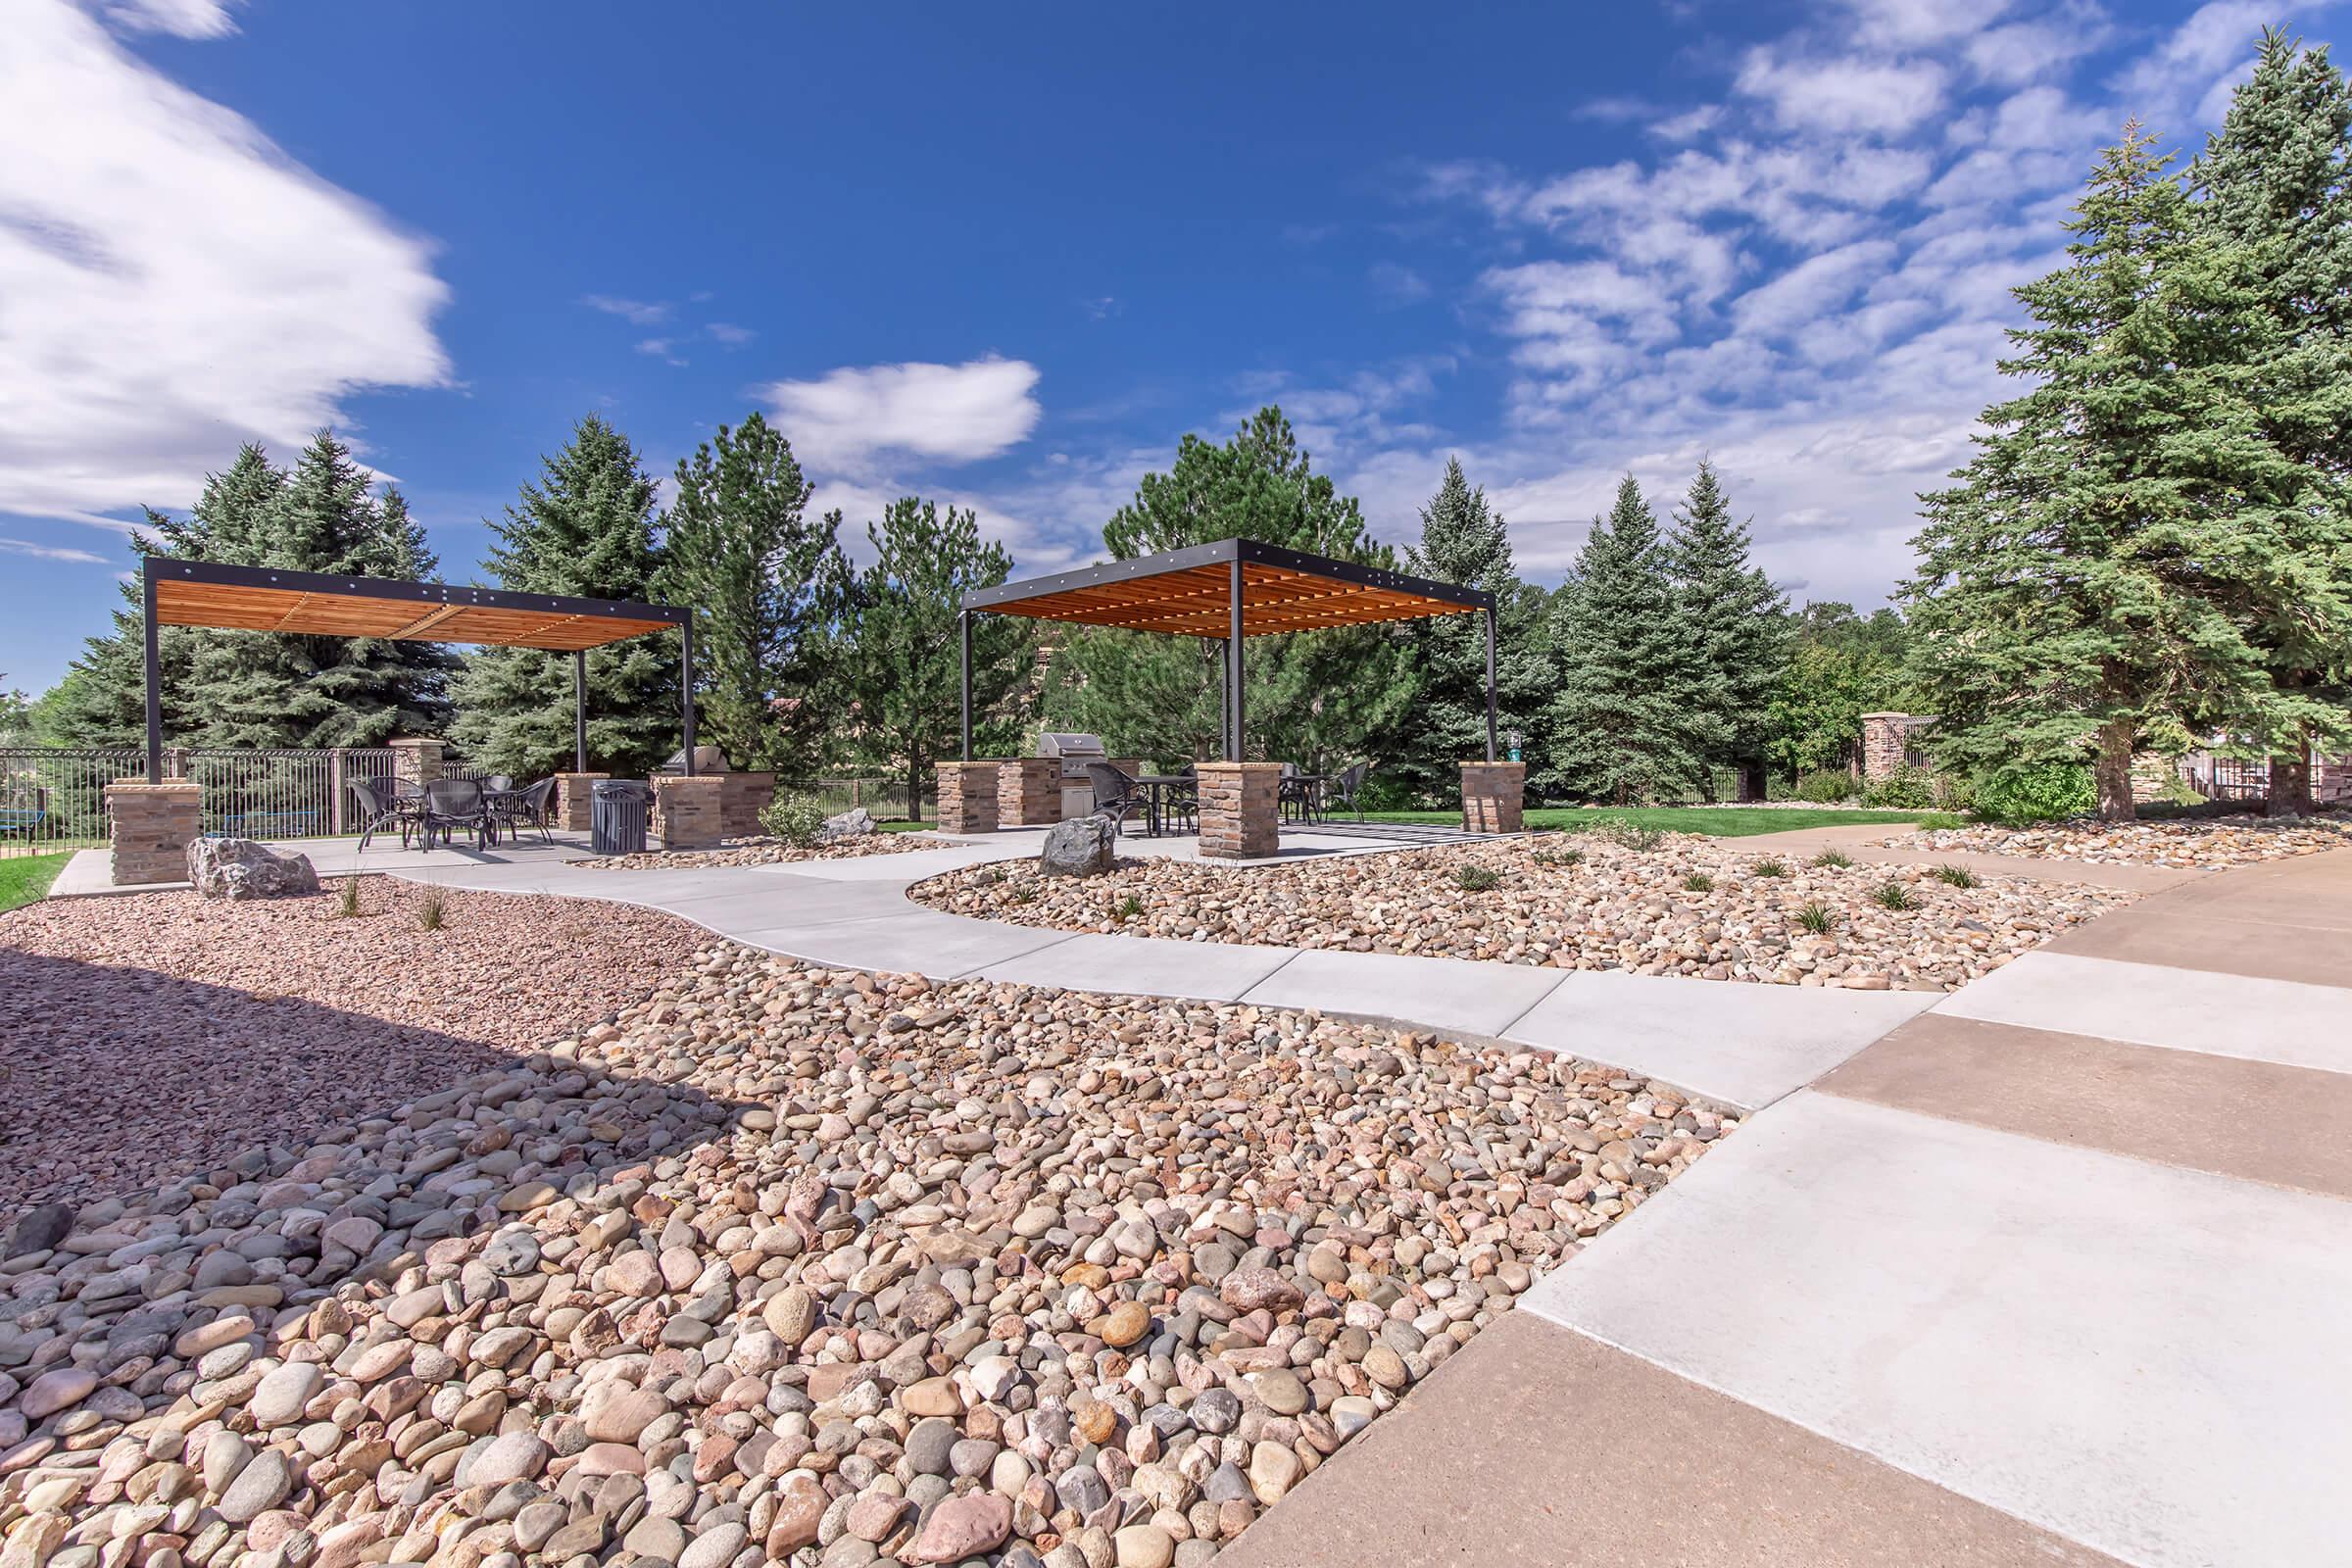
(1074, 751)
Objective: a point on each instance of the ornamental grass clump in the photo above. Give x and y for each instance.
(1957, 877)
(1698, 882)
(1770, 867)
(1477, 878)
(1568, 856)
(1834, 860)
(1894, 895)
(432, 909)
(346, 900)
(1628, 835)
(1816, 918)
(1127, 908)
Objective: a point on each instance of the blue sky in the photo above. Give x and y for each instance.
(1009, 256)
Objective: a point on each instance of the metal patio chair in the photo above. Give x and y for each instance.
(380, 808)
(455, 803)
(528, 807)
(1115, 794)
(1342, 791)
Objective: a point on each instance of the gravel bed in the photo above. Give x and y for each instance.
(148, 1035)
(766, 851)
(2197, 843)
(1570, 900)
(788, 1265)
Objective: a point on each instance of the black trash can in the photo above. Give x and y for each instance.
(619, 810)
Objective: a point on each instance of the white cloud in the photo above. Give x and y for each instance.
(24, 547)
(637, 313)
(728, 333)
(950, 413)
(1844, 94)
(174, 283)
(183, 18)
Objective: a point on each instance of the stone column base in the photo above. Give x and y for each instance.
(686, 811)
(967, 797)
(742, 796)
(1029, 792)
(1493, 797)
(1241, 816)
(148, 828)
(572, 793)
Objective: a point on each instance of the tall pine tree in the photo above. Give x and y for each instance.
(586, 528)
(1320, 699)
(2274, 184)
(741, 551)
(900, 621)
(1617, 729)
(1733, 624)
(1464, 542)
(2089, 586)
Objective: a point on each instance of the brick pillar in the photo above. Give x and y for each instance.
(1883, 739)
(148, 828)
(1493, 794)
(1029, 792)
(572, 793)
(686, 811)
(415, 760)
(742, 796)
(1240, 816)
(967, 797)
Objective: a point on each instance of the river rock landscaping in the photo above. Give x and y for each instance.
(2188, 844)
(801, 1265)
(766, 851)
(1653, 903)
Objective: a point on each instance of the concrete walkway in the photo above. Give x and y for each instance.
(2056, 1271)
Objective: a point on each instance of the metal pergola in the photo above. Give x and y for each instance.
(1229, 590)
(312, 604)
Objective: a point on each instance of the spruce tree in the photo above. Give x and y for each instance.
(1464, 542)
(1321, 699)
(741, 552)
(2089, 586)
(900, 622)
(586, 529)
(1617, 727)
(2273, 183)
(1733, 624)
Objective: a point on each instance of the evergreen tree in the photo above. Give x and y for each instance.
(2087, 586)
(740, 550)
(1464, 542)
(1320, 699)
(900, 620)
(271, 689)
(1618, 731)
(2273, 182)
(1734, 624)
(586, 528)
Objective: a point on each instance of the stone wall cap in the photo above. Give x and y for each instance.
(169, 786)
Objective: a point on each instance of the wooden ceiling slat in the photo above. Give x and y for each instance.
(302, 611)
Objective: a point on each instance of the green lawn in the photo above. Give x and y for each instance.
(24, 878)
(1715, 821)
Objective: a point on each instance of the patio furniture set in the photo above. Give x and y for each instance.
(1171, 801)
(483, 808)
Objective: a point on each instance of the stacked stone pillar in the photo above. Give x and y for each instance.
(1884, 739)
(967, 797)
(1029, 792)
(1241, 816)
(148, 828)
(417, 760)
(574, 791)
(687, 812)
(1494, 795)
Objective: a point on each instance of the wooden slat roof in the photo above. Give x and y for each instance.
(203, 593)
(1187, 592)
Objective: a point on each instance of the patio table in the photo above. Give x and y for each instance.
(1310, 788)
(1156, 788)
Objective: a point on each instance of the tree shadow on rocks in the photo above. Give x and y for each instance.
(310, 1196)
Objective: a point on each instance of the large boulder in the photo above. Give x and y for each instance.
(1084, 846)
(854, 824)
(240, 868)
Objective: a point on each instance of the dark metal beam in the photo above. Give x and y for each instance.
(1490, 683)
(686, 687)
(155, 675)
(1235, 638)
(579, 710)
(964, 666)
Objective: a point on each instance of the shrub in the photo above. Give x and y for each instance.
(1958, 876)
(1894, 895)
(1815, 919)
(1771, 867)
(1832, 859)
(1825, 786)
(1477, 878)
(2024, 792)
(1906, 788)
(1626, 835)
(1941, 819)
(1698, 882)
(432, 910)
(795, 818)
(1567, 856)
(1953, 792)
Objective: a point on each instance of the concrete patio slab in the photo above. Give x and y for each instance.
(1460, 995)
(1496, 1460)
(2255, 1120)
(2145, 1359)
(942, 946)
(2287, 920)
(1214, 971)
(1744, 1044)
(2259, 1019)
